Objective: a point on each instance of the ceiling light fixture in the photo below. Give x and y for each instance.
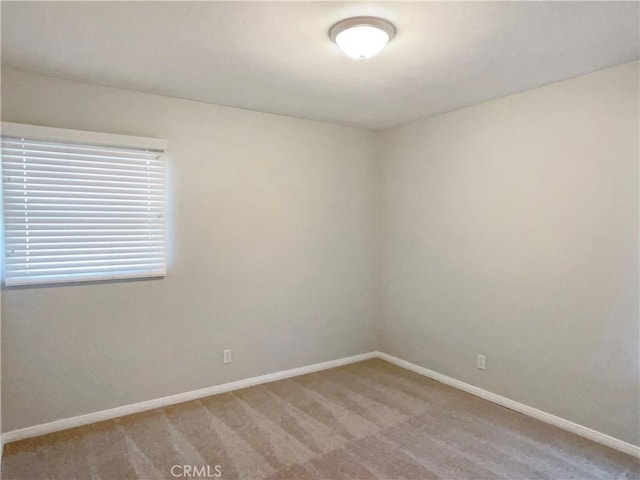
(362, 37)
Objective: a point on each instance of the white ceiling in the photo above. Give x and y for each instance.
(277, 57)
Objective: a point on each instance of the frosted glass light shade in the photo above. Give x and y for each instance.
(362, 37)
(362, 42)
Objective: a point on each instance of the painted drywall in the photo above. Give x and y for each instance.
(270, 226)
(510, 229)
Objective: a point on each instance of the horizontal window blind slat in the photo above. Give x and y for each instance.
(81, 149)
(13, 141)
(81, 201)
(46, 221)
(85, 192)
(77, 212)
(20, 188)
(12, 175)
(61, 158)
(142, 182)
(66, 223)
(35, 232)
(35, 165)
(35, 229)
(66, 238)
(88, 213)
(15, 161)
(103, 246)
(55, 252)
(82, 260)
(16, 207)
(82, 277)
(105, 267)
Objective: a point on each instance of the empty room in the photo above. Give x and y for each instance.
(320, 240)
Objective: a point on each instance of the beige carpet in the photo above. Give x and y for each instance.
(367, 420)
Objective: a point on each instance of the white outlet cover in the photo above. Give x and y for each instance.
(482, 362)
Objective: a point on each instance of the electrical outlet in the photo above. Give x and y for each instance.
(482, 362)
(226, 356)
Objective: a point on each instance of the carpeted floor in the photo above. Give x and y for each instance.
(367, 420)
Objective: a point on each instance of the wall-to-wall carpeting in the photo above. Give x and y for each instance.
(366, 420)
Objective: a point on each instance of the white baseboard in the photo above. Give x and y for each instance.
(67, 423)
(572, 427)
(111, 413)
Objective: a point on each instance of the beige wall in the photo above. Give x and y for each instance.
(271, 255)
(510, 229)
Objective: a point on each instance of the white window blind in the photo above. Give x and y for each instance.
(78, 211)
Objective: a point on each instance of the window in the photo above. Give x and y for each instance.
(81, 206)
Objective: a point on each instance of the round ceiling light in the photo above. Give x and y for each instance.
(362, 37)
